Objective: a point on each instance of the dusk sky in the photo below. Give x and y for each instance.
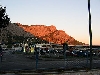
(68, 15)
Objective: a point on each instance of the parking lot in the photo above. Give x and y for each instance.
(21, 61)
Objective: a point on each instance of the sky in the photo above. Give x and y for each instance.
(68, 15)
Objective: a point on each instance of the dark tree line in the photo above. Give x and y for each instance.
(4, 19)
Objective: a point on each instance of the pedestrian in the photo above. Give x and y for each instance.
(1, 54)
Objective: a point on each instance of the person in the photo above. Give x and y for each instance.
(1, 54)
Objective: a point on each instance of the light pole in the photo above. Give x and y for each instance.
(65, 47)
(90, 33)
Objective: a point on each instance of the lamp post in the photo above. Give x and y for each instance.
(90, 33)
(65, 47)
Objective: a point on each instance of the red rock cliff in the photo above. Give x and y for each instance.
(50, 33)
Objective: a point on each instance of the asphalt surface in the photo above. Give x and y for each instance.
(21, 62)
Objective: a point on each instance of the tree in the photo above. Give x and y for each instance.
(4, 19)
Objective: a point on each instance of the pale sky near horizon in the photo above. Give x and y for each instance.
(68, 15)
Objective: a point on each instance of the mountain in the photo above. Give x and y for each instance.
(17, 32)
(50, 34)
(14, 33)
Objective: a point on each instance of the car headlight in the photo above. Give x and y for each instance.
(93, 53)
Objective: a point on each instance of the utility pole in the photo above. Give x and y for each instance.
(90, 33)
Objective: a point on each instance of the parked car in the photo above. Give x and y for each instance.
(74, 52)
(85, 53)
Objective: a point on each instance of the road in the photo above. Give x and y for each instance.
(21, 62)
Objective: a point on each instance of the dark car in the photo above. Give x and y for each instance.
(74, 53)
(85, 53)
(82, 53)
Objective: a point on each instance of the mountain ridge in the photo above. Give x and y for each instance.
(50, 33)
(42, 32)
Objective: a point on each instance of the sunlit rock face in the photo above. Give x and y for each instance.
(50, 34)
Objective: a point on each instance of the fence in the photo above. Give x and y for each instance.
(49, 60)
(74, 60)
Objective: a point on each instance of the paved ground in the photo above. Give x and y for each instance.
(91, 72)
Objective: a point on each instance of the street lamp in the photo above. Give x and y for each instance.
(90, 33)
